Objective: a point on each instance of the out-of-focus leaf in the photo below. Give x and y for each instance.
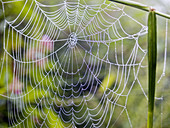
(3, 90)
(35, 94)
(107, 82)
(53, 120)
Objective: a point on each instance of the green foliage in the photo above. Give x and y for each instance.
(136, 101)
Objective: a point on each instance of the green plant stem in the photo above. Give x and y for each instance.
(140, 6)
(152, 56)
(132, 4)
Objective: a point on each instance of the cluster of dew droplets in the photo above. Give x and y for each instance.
(72, 40)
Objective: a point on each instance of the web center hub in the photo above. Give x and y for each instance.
(72, 40)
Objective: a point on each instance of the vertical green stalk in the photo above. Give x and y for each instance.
(152, 56)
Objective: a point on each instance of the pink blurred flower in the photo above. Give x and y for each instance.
(38, 54)
(47, 43)
(16, 86)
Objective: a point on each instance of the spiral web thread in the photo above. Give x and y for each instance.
(67, 53)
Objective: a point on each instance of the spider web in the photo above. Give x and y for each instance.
(74, 63)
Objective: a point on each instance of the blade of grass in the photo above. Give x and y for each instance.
(152, 56)
(140, 6)
(133, 4)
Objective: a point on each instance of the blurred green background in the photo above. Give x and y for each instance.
(136, 103)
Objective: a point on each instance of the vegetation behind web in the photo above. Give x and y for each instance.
(137, 103)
